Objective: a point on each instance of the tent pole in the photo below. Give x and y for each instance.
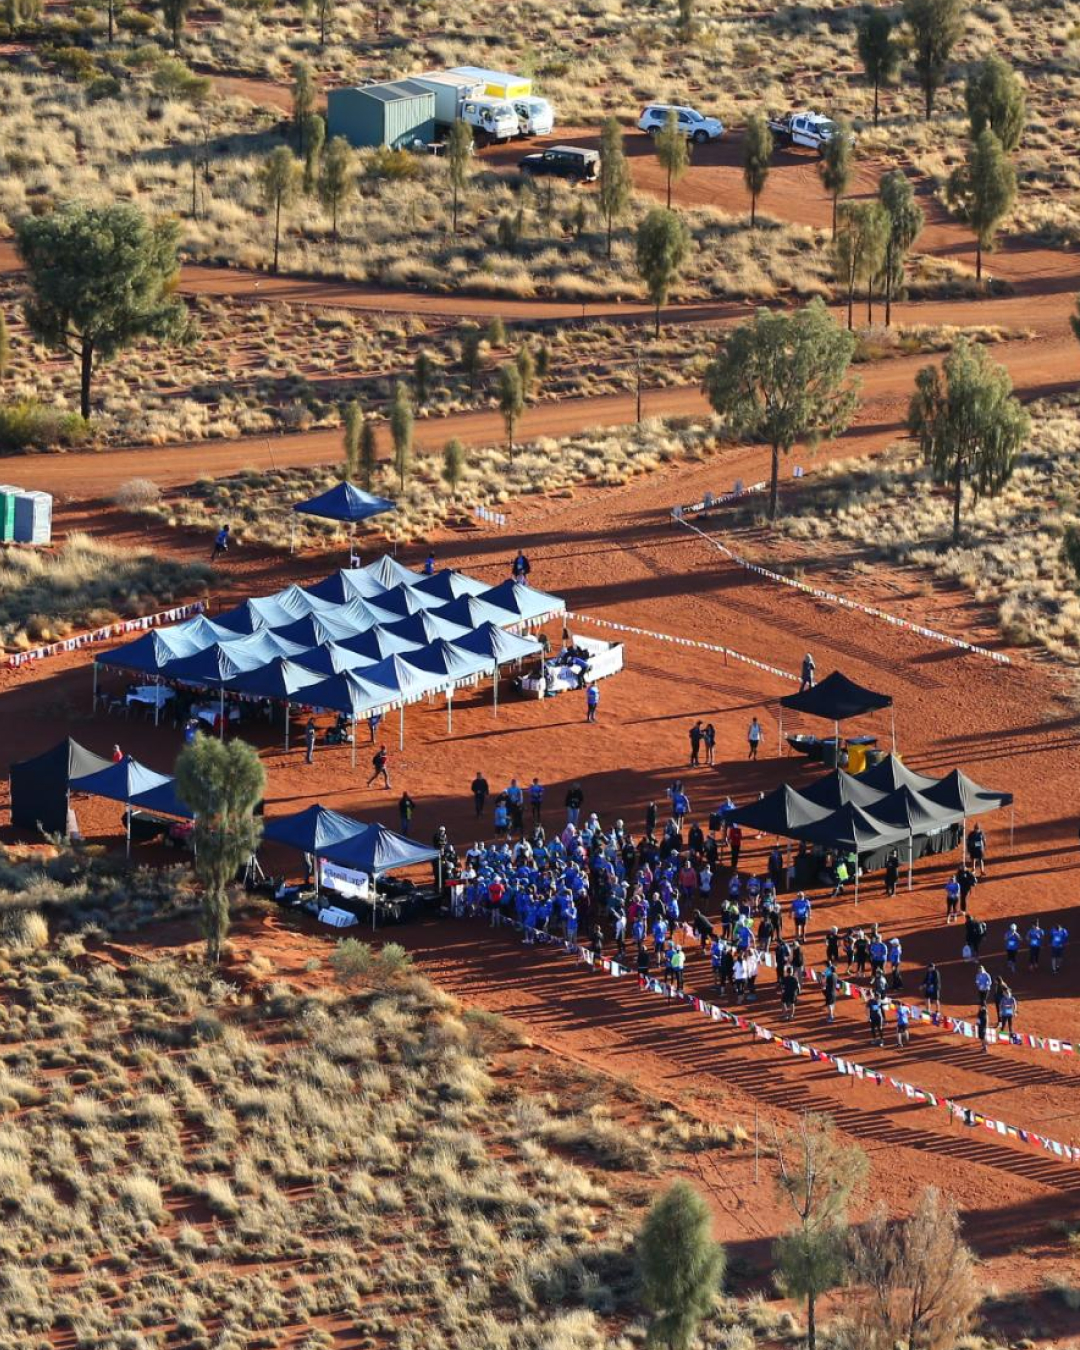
(910, 850)
(375, 889)
(354, 742)
(892, 720)
(495, 705)
(286, 728)
(401, 728)
(449, 709)
(157, 698)
(856, 874)
(963, 841)
(127, 815)
(93, 706)
(780, 733)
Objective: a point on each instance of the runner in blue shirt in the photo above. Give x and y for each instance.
(952, 899)
(895, 957)
(903, 1019)
(800, 912)
(1012, 946)
(659, 935)
(878, 952)
(1035, 937)
(1059, 936)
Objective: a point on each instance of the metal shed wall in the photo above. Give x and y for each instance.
(388, 117)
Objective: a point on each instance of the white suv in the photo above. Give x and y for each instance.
(697, 128)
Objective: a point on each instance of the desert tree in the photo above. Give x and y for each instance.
(995, 99)
(5, 348)
(401, 433)
(672, 150)
(662, 246)
(324, 12)
(783, 378)
(352, 423)
(817, 1174)
(337, 178)
(756, 159)
(369, 454)
(453, 464)
(112, 9)
(511, 402)
(172, 79)
(21, 15)
(222, 782)
(422, 372)
(837, 164)
(919, 1275)
(280, 177)
(314, 139)
(906, 219)
(543, 361)
(472, 345)
(879, 52)
(936, 27)
(684, 21)
(175, 13)
(303, 101)
(496, 332)
(982, 191)
(459, 148)
(679, 1266)
(613, 189)
(859, 250)
(526, 366)
(100, 278)
(968, 423)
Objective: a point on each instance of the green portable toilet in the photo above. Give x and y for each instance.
(396, 114)
(7, 516)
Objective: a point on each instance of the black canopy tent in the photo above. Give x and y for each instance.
(836, 698)
(893, 773)
(958, 792)
(922, 818)
(853, 829)
(780, 812)
(838, 788)
(40, 786)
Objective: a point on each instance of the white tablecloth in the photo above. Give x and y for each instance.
(151, 693)
(209, 712)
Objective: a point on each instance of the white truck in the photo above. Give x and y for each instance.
(803, 128)
(459, 98)
(535, 115)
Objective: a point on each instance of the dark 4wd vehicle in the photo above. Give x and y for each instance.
(564, 161)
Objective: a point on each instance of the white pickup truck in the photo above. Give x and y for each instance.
(804, 128)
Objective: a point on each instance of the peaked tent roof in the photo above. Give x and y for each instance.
(404, 600)
(39, 786)
(350, 693)
(379, 642)
(447, 658)
(836, 698)
(149, 653)
(163, 800)
(893, 773)
(377, 850)
(264, 645)
(315, 629)
(298, 601)
(499, 646)
(853, 828)
(331, 658)
(426, 627)
(120, 782)
(408, 681)
(345, 502)
(472, 610)
(67, 758)
(837, 788)
(350, 583)
(389, 572)
(201, 632)
(448, 585)
(279, 679)
(251, 615)
(312, 830)
(914, 812)
(529, 604)
(213, 666)
(780, 812)
(961, 793)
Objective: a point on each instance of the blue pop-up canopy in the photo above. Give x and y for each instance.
(134, 784)
(404, 600)
(377, 850)
(380, 642)
(312, 830)
(446, 584)
(530, 605)
(149, 653)
(427, 627)
(346, 503)
(471, 611)
(351, 583)
(314, 629)
(332, 658)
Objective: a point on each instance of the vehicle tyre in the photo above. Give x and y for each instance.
(700, 137)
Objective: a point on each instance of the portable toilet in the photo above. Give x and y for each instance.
(396, 114)
(7, 514)
(33, 518)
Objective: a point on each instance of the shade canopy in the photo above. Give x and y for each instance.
(914, 812)
(39, 786)
(836, 698)
(298, 601)
(404, 600)
(332, 658)
(350, 693)
(201, 632)
(851, 828)
(351, 583)
(315, 629)
(387, 572)
(408, 682)
(120, 782)
(447, 658)
(265, 645)
(446, 585)
(499, 646)
(150, 653)
(781, 811)
(163, 801)
(378, 642)
(960, 793)
(344, 502)
(279, 679)
(893, 773)
(530, 605)
(839, 787)
(312, 830)
(251, 615)
(214, 666)
(472, 611)
(427, 627)
(377, 850)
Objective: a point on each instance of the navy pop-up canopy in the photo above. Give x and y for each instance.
(377, 850)
(150, 653)
(313, 830)
(346, 503)
(426, 627)
(530, 605)
(836, 698)
(134, 784)
(447, 585)
(351, 583)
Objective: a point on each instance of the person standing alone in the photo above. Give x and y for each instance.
(480, 792)
(221, 543)
(309, 741)
(592, 701)
(754, 737)
(379, 761)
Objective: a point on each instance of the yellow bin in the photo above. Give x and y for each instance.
(856, 758)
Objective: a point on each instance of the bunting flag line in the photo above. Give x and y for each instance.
(832, 598)
(684, 642)
(849, 1068)
(111, 630)
(710, 500)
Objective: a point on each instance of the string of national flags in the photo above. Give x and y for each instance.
(843, 1065)
(110, 630)
(684, 642)
(832, 598)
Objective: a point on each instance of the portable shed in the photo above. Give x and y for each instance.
(396, 114)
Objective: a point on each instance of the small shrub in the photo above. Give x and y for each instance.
(137, 494)
(135, 21)
(24, 930)
(76, 61)
(30, 425)
(393, 166)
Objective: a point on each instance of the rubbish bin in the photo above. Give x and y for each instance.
(830, 752)
(856, 758)
(875, 756)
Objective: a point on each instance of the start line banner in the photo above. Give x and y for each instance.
(848, 1068)
(111, 630)
(832, 598)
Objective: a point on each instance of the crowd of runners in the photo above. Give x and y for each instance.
(652, 900)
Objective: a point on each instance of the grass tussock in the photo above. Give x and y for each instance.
(86, 583)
